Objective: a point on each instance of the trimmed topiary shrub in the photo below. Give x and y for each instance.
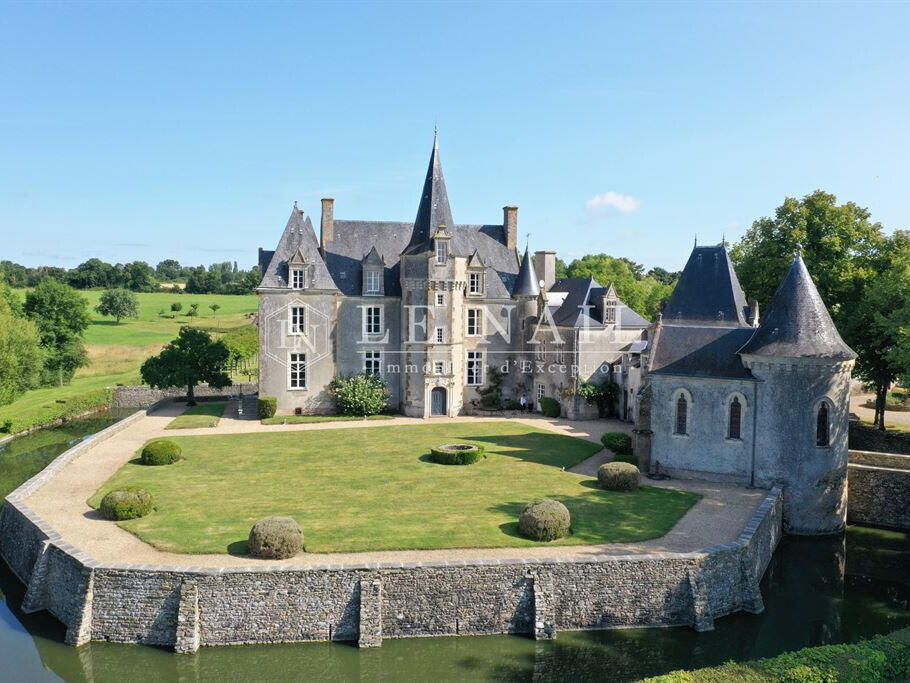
(544, 520)
(550, 406)
(127, 503)
(276, 538)
(629, 458)
(266, 405)
(617, 442)
(161, 452)
(456, 454)
(618, 476)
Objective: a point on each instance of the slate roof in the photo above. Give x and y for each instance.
(586, 291)
(526, 283)
(298, 234)
(434, 209)
(700, 351)
(798, 324)
(708, 291)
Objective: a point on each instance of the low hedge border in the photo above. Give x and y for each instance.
(618, 442)
(457, 454)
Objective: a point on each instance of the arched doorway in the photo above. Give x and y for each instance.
(438, 401)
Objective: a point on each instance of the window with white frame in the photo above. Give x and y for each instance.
(610, 312)
(440, 299)
(372, 320)
(439, 367)
(440, 335)
(374, 282)
(372, 362)
(297, 279)
(540, 391)
(297, 320)
(475, 283)
(442, 251)
(297, 371)
(474, 369)
(475, 322)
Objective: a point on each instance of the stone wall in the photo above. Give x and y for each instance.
(143, 396)
(879, 489)
(866, 438)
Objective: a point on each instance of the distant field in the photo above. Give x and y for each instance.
(116, 351)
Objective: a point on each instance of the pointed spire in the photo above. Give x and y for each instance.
(526, 282)
(434, 209)
(798, 324)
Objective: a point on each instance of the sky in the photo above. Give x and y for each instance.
(135, 131)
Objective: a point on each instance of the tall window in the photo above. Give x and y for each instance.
(440, 335)
(372, 362)
(297, 278)
(540, 391)
(736, 414)
(610, 312)
(474, 368)
(373, 281)
(297, 371)
(475, 283)
(373, 320)
(475, 322)
(822, 425)
(682, 414)
(297, 320)
(442, 251)
(440, 299)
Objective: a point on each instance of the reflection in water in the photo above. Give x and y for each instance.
(816, 591)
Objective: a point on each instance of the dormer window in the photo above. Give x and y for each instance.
(610, 312)
(297, 270)
(374, 282)
(298, 278)
(475, 283)
(442, 251)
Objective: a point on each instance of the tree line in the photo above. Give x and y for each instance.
(138, 276)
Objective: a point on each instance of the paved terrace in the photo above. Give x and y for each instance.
(717, 518)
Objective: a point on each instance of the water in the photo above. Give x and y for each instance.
(817, 591)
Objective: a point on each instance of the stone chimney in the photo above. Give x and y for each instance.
(753, 313)
(545, 267)
(510, 226)
(327, 223)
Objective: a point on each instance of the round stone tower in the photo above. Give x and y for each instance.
(801, 422)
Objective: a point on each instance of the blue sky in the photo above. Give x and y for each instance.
(148, 131)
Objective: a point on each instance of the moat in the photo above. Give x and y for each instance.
(816, 591)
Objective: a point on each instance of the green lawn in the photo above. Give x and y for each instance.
(304, 419)
(373, 488)
(199, 415)
(115, 351)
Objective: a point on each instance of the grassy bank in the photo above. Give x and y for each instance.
(116, 351)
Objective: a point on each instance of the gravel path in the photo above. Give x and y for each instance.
(892, 417)
(718, 518)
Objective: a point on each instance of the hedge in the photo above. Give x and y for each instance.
(126, 503)
(160, 452)
(621, 457)
(618, 442)
(550, 406)
(456, 454)
(266, 405)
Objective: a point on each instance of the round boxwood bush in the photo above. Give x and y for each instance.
(162, 452)
(127, 503)
(276, 538)
(266, 406)
(618, 476)
(456, 454)
(618, 442)
(544, 520)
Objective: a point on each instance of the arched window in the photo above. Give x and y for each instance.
(822, 425)
(736, 413)
(682, 414)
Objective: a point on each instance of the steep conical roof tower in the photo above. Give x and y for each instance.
(526, 282)
(434, 207)
(798, 324)
(708, 291)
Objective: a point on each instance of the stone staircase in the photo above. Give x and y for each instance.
(247, 408)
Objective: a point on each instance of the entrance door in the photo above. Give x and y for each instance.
(438, 401)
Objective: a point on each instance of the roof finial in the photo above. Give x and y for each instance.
(799, 249)
(435, 134)
(527, 241)
(295, 203)
(696, 239)
(723, 240)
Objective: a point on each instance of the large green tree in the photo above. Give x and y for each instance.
(61, 315)
(118, 303)
(640, 293)
(190, 359)
(21, 355)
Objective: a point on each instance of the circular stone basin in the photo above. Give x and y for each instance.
(456, 454)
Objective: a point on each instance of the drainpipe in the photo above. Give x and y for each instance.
(754, 431)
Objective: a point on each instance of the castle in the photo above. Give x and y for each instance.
(439, 310)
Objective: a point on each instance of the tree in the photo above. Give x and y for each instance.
(139, 277)
(176, 307)
(603, 395)
(214, 308)
(640, 294)
(21, 355)
(190, 359)
(119, 303)
(61, 316)
(92, 273)
(663, 276)
(168, 269)
(194, 310)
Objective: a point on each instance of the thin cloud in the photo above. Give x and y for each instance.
(623, 203)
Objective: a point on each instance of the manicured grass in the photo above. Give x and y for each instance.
(883, 658)
(199, 415)
(374, 488)
(116, 351)
(304, 419)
